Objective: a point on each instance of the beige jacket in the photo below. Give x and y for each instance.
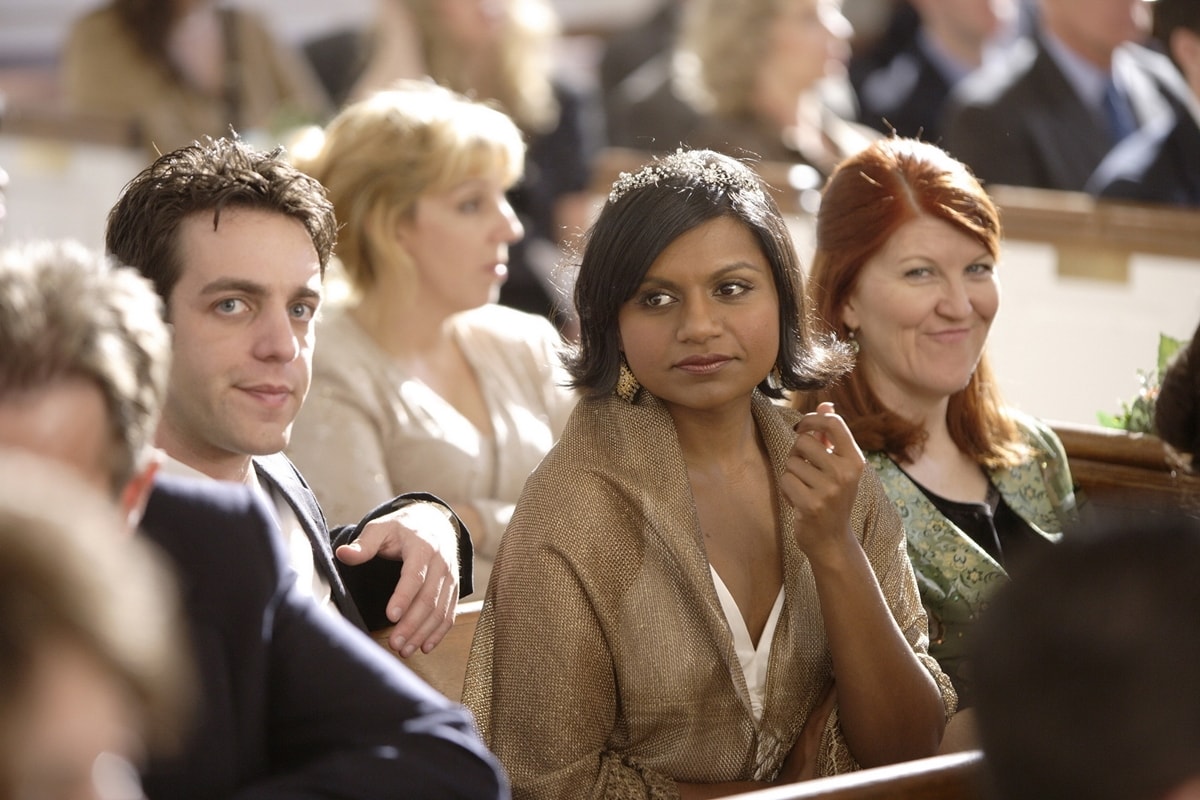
(603, 665)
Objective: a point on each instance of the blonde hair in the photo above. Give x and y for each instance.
(721, 45)
(521, 80)
(378, 156)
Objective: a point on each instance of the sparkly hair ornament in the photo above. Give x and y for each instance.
(698, 166)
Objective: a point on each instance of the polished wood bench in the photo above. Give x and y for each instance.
(446, 665)
(1117, 468)
(957, 776)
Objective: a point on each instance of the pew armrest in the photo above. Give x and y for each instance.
(445, 667)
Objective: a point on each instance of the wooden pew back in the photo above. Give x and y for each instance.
(445, 667)
(957, 776)
(1117, 469)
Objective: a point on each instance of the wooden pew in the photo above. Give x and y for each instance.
(957, 776)
(445, 667)
(1118, 469)
(52, 123)
(1096, 238)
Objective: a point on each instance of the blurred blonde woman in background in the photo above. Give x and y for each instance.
(421, 379)
(504, 51)
(770, 77)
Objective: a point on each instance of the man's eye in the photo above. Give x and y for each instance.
(303, 311)
(230, 305)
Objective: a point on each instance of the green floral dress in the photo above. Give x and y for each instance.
(954, 574)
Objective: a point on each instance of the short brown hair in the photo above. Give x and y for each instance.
(143, 227)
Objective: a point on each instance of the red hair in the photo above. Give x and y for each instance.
(867, 198)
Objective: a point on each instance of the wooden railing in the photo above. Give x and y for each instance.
(49, 123)
(958, 776)
(446, 665)
(1116, 468)
(1096, 238)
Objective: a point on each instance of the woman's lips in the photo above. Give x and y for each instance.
(702, 365)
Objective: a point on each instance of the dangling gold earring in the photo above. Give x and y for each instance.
(627, 385)
(775, 378)
(852, 337)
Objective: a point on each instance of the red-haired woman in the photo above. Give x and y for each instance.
(905, 267)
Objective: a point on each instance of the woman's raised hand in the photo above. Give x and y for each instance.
(821, 480)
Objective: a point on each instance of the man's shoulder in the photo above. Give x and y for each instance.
(187, 514)
(202, 497)
(999, 81)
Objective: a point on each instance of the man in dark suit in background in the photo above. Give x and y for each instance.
(294, 702)
(1048, 114)
(906, 90)
(1160, 163)
(236, 241)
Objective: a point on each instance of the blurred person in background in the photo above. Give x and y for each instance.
(906, 91)
(769, 77)
(180, 70)
(503, 51)
(1160, 163)
(1047, 113)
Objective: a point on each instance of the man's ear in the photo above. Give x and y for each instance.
(136, 493)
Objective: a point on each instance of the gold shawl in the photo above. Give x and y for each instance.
(603, 665)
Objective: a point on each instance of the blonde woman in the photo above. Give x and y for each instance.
(770, 76)
(503, 51)
(421, 379)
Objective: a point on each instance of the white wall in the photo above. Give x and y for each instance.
(1067, 348)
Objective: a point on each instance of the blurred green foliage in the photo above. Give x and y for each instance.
(1137, 415)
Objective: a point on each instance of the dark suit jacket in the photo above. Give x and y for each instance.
(294, 702)
(1160, 163)
(1019, 122)
(360, 592)
(907, 94)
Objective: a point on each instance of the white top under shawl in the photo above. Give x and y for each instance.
(752, 660)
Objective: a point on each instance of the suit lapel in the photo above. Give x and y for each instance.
(279, 473)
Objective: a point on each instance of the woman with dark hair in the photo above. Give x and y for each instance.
(693, 567)
(905, 269)
(180, 70)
